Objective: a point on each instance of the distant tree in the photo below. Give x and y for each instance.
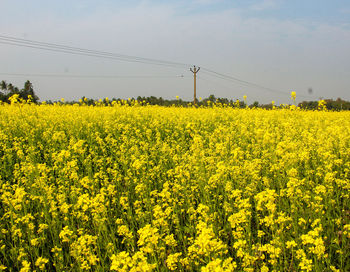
(309, 105)
(3, 85)
(266, 106)
(28, 90)
(221, 100)
(28, 86)
(9, 90)
(212, 98)
(255, 104)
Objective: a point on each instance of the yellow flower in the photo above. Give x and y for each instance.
(206, 244)
(264, 268)
(25, 266)
(124, 231)
(121, 262)
(34, 242)
(148, 240)
(41, 262)
(291, 244)
(65, 234)
(170, 241)
(219, 265)
(173, 260)
(124, 263)
(42, 227)
(84, 251)
(293, 95)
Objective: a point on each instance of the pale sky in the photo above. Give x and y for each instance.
(284, 45)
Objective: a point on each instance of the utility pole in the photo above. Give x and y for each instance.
(194, 71)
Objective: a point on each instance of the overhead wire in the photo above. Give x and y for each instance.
(244, 82)
(221, 83)
(59, 46)
(231, 78)
(86, 52)
(127, 58)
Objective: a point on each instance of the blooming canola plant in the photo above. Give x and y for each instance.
(131, 188)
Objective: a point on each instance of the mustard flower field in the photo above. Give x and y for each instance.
(131, 188)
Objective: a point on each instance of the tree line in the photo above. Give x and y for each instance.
(336, 105)
(8, 89)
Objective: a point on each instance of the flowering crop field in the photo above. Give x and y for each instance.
(151, 188)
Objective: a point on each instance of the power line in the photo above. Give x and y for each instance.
(83, 54)
(230, 78)
(78, 49)
(86, 52)
(107, 55)
(240, 83)
(245, 83)
(221, 83)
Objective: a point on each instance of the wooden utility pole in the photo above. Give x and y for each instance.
(194, 71)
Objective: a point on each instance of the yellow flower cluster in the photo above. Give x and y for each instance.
(129, 188)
